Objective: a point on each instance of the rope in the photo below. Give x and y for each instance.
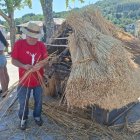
(83, 61)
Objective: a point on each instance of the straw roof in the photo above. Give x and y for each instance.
(103, 72)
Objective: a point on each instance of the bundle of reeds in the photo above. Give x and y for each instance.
(80, 127)
(133, 120)
(103, 72)
(133, 127)
(131, 43)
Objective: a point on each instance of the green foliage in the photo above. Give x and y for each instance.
(8, 6)
(29, 17)
(68, 1)
(120, 12)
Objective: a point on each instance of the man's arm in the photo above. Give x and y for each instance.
(21, 65)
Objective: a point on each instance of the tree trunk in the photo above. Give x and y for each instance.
(48, 18)
(12, 29)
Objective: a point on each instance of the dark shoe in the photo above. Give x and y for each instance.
(23, 124)
(0, 90)
(38, 121)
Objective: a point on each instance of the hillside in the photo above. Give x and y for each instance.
(120, 12)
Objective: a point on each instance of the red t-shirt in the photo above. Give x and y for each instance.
(29, 54)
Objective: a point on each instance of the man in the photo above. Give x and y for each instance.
(4, 77)
(26, 53)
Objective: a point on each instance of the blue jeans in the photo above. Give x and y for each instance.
(3, 60)
(23, 97)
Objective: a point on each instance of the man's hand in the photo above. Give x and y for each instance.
(21, 65)
(27, 67)
(37, 67)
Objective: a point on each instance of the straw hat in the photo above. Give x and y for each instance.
(32, 30)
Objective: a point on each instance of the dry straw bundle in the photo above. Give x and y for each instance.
(77, 127)
(107, 28)
(133, 127)
(102, 72)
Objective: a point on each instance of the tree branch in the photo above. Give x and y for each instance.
(4, 16)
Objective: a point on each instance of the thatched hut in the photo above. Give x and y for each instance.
(103, 72)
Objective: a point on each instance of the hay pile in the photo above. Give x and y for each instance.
(77, 127)
(107, 28)
(133, 127)
(103, 72)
